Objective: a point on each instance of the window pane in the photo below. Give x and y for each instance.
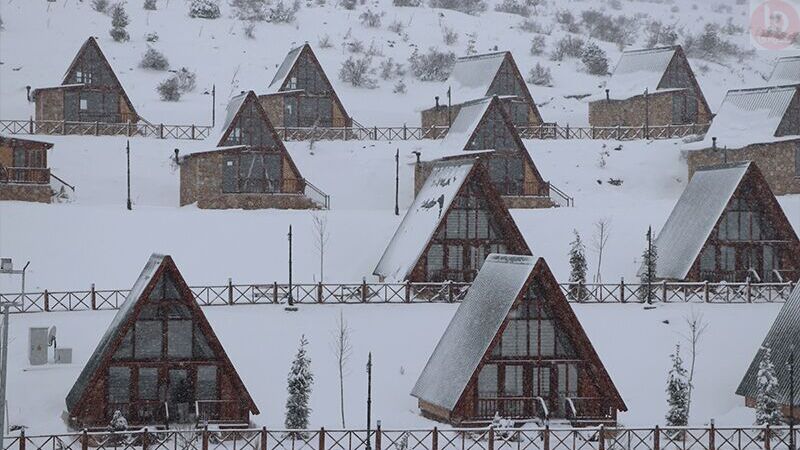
(165, 289)
(572, 380)
(229, 184)
(744, 229)
(148, 383)
(119, 382)
(179, 338)
(513, 381)
(728, 259)
(733, 225)
(148, 339)
(435, 258)
(514, 340)
(207, 383)
(201, 347)
(541, 381)
(708, 259)
(125, 349)
(797, 160)
(548, 337)
(455, 257)
(487, 381)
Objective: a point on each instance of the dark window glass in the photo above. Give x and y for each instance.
(513, 381)
(179, 339)
(253, 173)
(201, 348)
(207, 383)
(148, 339)
(487, 381)
(708, 259)
(125, 349)
(119, 382)
(148, 383)
(165, 289)
(229, 179)
(541, 382)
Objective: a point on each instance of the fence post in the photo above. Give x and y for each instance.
(601, 438)
(230, 291)
(263, 438)
(621, 291)
(490, 445)
(63, 127)
(449, 291)
(322, 439)
(161, 131)
(546, 437)
(46, 301)
(656, 438)
(204, 439)
(749, 295)
(664, 291)
(22, 439)
(84, 440)
(192, 131)
(94, 298)
(405, 132)
(319, 292)
(375, 131)
(30, 126)
(705, 291)
(144, 439)
(377, 438)
(130, 133)
(435, 439)
(567, 131)
(275, 292)
(96, 128)
(712, 430)
(767, 438)
(619, 132)
(363, 291)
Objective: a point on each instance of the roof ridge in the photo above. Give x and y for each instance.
(651, 50)
(728, 165)
(763, 89)
(482, 55)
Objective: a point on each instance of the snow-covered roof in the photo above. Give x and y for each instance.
(285, 67)
(125, 310)
(472, 76)
(469, 335)
(749, 116)
(234, 105)
(698, 209)
(638, 70)
(423, 218)
(464, 124)
(786, 71)
(784, 334)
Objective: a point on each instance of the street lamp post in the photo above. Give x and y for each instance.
(7, 268)
(369, 398)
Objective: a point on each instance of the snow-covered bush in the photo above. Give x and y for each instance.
(118, 422)
(370, 19)
(472, 41)
(432, 66)
(396, 27)
(249, 29)
(399, 87)
(119, 20)
(649, 268)
(354, 46)
(187, 80)
(151, 37)
(657, 34)
(204, 9)
(708, 44)
(389, 69)
(532, 26)
(677, 392)
(621, 30)
(538, 44)
(324, 41)
(412, 3)
(358, 72)
(249, 10)
(513, 7)
(348, 4)
(169, 89)
(768, 409)
(567, 21)
(540, 76)
(595, 59)
(449, 36)
(466, 6)
(154, 60)
(299, 384)
(150, 5)
(100, 6)
(568, 46)
(281, 13)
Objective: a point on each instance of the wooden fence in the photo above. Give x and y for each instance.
(398, 293)
(355, 133)
(542, 438)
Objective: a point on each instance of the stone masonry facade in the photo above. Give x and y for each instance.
(631, 112)
(40, 193)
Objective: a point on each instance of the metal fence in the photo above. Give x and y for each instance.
(543, 438)
(398, 293)
(140, 129)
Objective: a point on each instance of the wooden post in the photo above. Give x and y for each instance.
(94, 298)
(63, 127)
(408, 291)
(192, 131)
(30, 126)
(319, 292)
(22, 439)
(263, 438)
(601, 438)
(375, 130)
(97, 128)
(130, 133)
(490, 445)
(322, 439)
(619, 132)
(144, 439)
(664, 291)
(204, 438)
(567, 131)
(46, 300)
(364, 291)
(767, 437)
(405, 132)
(161, 131)
(435, 439)
(546, 437)
(275, 292)
(705, 291)
(230, 291)
(84, 440)
(377, 438)
(656, 438)
(712, 430)
(749, 294)
(621, 290)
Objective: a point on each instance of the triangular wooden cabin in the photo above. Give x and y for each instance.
(159, 362)
(760, 125)
(673, 96)
(249, 169)
(89, 92)
(24, 173)
(515, 348)
(485, 75)
(728, 226)
(301, 95)
(782, 340)
(455, 221)
(485, 125)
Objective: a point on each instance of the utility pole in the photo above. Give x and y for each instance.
(128, 154)
(646, 115)
(7, 268)
(397, 182)
(291, 300)
(449, 105)
(792, 443)
(369, 399)
(213, 105)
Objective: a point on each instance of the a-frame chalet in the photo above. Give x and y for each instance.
(249, 169)
(485, 125)
(301, 95)
(455, 221)
(485, 75)
(89, 92)
(159, 362)
(515, 348)
(728, 226)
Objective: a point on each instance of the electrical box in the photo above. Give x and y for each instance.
(6, 265)
(37, 346)
(63, 356)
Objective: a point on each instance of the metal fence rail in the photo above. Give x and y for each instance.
(543, 438)
(398, 293)
(140, 129)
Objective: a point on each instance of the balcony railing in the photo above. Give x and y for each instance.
(25, 175)
(512, 408)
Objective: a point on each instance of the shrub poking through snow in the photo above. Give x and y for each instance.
(449, 36)
(768, 410)
(154, 60)
(204, 9)
(677, 392)
(282, 13)
(100, 6)
(249, 29)
(513, 7)
(187, 80)
(568, 46)
(432, 66)
(389, 69)
(119, 20)
(370, 19)
(150, 5)
(151, 37)
(324, 41)
(659, 34)
(348, 4)
(620, 30)
(299, 385)
(249, 10)
(708, 44)
(399, 87)
(169, 89)
(538, 44)
(411, 3)
(567, 21)
(118, 422)
(466, 6)
(595, 59)
(358, 72)
(540, 76)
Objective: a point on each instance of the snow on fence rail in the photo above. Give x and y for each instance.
(354, 133)
(542, 438)
(376, 293)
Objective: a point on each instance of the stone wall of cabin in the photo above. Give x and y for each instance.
(339, 117)
(6, 155)
(39, 193)
(437, 117)
(49, 104)
(776, 161)
(631, 112)
(201, 183)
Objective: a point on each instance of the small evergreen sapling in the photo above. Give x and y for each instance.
(118, 422)
(677, 392)
(119, 20)
(649, 261)
(577, 264)
(204, 9)
(154, 60)
(299, 381)
(768, 411)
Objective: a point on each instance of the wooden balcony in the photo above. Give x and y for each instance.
(24, 175)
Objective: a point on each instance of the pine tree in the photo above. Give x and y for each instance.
(299, 388)
(119, 20)
(768, 410)
(649, 260)
(577, 263)
(677, 392)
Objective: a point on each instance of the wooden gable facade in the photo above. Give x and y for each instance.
(302, 95)
(516, 349)
(728, 226)
(24, 173)
(250, 168)
(159, 362)
(504, 79)
(89, 92)
(456, 220)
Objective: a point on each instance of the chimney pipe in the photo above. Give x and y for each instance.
(714, 143)
(28, 92)
(177, 160)
(437, 102)
(417, 154)
(608, 96)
